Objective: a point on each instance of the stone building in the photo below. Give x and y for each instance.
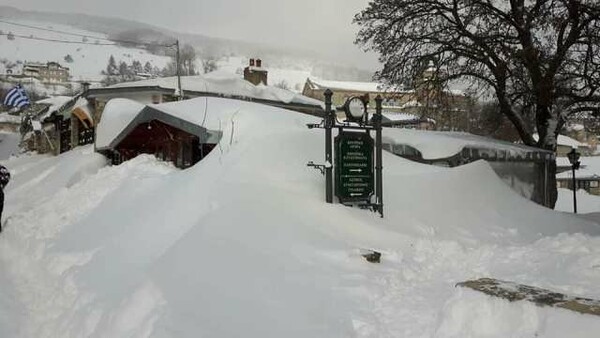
(255, 73)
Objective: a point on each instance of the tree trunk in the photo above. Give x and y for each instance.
(548, 128)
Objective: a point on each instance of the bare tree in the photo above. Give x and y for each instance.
(539, 58)
(187, 62)
(209, 65)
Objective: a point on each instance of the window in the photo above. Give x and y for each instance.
(594, 184)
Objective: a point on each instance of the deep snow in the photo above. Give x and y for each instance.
(242, 244)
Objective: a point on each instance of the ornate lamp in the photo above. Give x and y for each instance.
(573, 157)
(355, 109)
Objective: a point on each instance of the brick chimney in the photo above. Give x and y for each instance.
(254, 73)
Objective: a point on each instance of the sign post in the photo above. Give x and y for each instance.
(354, 176)
(358, 158)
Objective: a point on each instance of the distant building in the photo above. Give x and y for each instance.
(565, 144)
(51, 72)
(255, 73)
(444, 107)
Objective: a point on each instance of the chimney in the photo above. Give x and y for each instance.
(254, 73)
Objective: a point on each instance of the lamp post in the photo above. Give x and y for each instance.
(573, 156)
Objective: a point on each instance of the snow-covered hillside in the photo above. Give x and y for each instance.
(88, 59)
(243, 245)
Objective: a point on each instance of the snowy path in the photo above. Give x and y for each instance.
(11, 312)
(9, 144)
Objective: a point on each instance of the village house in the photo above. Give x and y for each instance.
(73, 122)
(129, 129)
(63, 123)
(50, 72)
(445, 107)
(255, 73)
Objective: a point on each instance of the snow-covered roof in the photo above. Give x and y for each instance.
(55, 100)
(371, 87)
(117, 114)
(438, 144)
(7, 118)
(583, 173)
(564, 140)
(55, 103)
(228, 86)
(83, 105)
(399, 116)
(590, 167)
(208, 113)
(411, 104)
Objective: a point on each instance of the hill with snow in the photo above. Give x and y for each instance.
(288, 68)
(243, 244)
(88, 60)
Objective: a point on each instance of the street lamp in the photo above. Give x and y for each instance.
(573, 156)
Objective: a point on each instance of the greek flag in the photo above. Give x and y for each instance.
(16, 97)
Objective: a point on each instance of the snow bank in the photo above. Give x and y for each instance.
(472, 314)
(586, 202)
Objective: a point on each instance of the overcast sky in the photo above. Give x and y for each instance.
(309, 24)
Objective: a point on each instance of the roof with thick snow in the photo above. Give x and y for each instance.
(229, 86)
(55, 103)
(583, 173)
(202, 116)
(564, 140)
(371, 87)
(439, 144)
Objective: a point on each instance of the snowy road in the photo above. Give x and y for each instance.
(9, 144)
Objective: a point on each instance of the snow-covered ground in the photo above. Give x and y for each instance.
(586, 203)
(9, 144)
(242, 244)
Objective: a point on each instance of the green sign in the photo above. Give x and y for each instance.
(354, 175)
